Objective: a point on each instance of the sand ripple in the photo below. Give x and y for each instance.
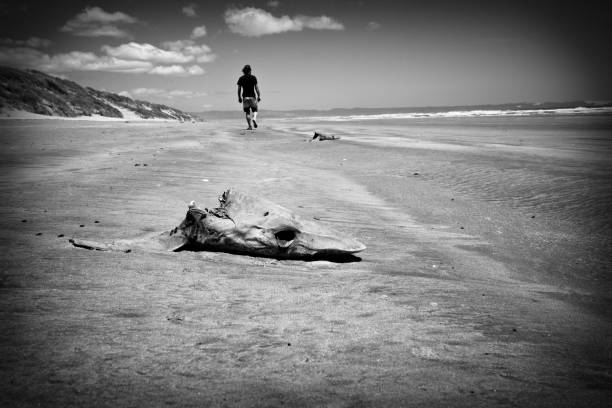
(585, 200)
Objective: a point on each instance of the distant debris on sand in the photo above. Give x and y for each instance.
(323, 136)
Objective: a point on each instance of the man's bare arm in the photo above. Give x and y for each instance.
(239, 97)
(258, 93)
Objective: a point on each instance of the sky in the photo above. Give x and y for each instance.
(318, 54)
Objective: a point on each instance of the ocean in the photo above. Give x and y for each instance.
(352, 114)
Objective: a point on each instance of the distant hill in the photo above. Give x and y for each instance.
(36, 92)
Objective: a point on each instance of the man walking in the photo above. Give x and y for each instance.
(249, 96)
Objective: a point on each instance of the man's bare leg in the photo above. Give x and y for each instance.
(253, 119)
(248, 119)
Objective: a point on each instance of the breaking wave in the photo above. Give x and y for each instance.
(467, 114)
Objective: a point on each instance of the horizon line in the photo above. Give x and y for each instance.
(573, 103)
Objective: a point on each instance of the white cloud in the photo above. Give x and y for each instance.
(200, 53)
(177, 45)
(147, 52)
(195, 70)
(254, 22)
(103, 31)
(162, 93)
(95, 22)
(72, 61)
(88, 61)
(147, 91)
(97, 15)
(319, 23)
(189, 10)
(185, 94)
(174, 70)
(33, 42)
(203, 59)
(177, 58)
(373, 25)
(273, 3)
(198, 32)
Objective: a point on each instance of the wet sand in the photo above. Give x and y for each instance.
(485, 282)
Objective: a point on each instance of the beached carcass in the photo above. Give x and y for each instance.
(244, 224)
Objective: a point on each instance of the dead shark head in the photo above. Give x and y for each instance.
(252, 225)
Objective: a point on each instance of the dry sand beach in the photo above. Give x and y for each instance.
(486, 281)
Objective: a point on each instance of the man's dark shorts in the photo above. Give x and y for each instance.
(249, 103)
